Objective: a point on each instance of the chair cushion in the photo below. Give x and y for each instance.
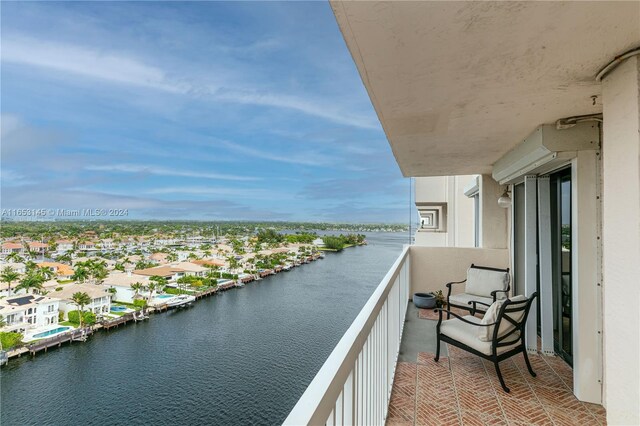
(467, 334)
(485, 334)
(463, 299)
(481, 282)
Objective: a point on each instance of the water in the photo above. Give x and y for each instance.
(50, 332)
(244, 356)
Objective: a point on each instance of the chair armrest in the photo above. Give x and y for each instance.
(455, 282)
(448, 285)
(461, 319)
(494, 293)
(474, 304)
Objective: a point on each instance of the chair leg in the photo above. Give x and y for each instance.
(526, 359)
(437, 349)
(506, 389)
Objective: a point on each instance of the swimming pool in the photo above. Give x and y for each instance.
(164, 296)
(50, 332)
(118, 308)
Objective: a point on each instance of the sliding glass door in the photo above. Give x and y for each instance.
(562, 267)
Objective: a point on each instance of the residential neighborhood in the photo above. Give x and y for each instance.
(54, 285)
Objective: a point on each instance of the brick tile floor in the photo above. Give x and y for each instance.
(464, 390)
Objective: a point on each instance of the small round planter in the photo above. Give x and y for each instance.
(424, 300)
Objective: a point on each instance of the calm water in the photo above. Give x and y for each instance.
(241, 357)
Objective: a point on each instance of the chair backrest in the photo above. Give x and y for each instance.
(511, 321)
(482, 280)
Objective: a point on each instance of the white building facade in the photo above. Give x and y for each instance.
(27, 312)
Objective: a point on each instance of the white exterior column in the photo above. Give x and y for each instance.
(586, 296)
(621, 242)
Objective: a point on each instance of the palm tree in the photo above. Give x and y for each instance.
(15, 257)
(98, 271)
(81, 299)
(9, 275)
(159, 281)
(137, 288)
(47, 273)
(2, 322)
(151, 287)
(33, 280)
(80, 274)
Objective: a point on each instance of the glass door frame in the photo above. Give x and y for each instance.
(558, 177)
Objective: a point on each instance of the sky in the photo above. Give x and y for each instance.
(204, 111)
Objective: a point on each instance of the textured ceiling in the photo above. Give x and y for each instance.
(458, 84)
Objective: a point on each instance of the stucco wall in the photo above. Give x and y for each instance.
(433, 267)
(459, 230)
(621, 242)
(493, 218)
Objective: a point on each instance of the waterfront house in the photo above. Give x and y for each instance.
(539, 104)
(211, 262)
(62, 271)
(27, 312)
(100, 298)
(64, 246)
(19, 267)
(86, 246)
(159, 257)
(107, 244)
(122, 282)
(37, 247)
(12, 247)
(173, 271)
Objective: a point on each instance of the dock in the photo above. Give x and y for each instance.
(201, 294)
(109, 324)
(79, 335)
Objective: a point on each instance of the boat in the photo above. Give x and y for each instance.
(181, 301)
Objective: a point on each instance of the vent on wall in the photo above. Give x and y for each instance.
(545, 149)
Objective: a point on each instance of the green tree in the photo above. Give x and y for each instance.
(151, 287)
(32, 280)
(137, 288)
(9, 275)
(81, 299)
(80, 274)
(15, 257)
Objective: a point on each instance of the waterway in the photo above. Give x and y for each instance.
(244, 356)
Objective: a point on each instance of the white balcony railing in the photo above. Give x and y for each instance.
(354, 385)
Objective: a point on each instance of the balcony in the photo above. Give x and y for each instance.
(382, 370)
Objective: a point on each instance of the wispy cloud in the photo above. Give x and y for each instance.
(297, 104)
(164, 171)
(109, 66)
(308, 159)
(87, 62)
(247, 193)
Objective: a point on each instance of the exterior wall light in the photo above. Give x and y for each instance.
(505, 201)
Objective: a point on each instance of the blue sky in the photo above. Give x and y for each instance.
(205, 110)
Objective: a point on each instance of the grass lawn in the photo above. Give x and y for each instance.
(68, 323)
